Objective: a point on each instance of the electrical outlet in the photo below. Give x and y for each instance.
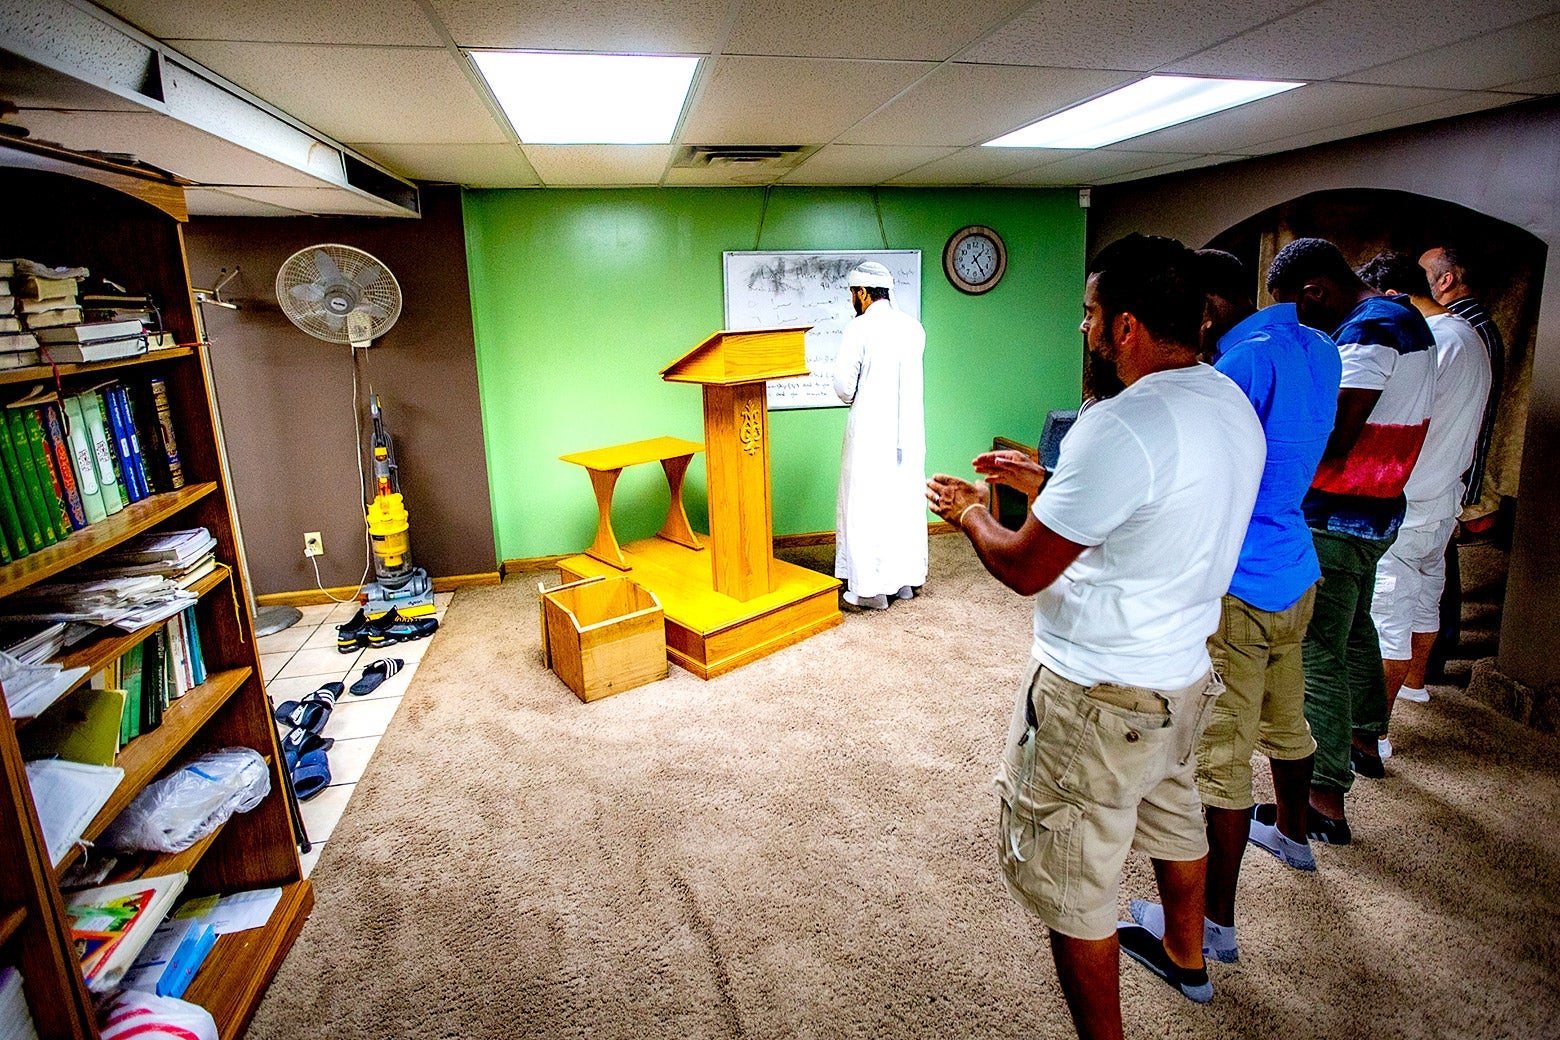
(312, 545)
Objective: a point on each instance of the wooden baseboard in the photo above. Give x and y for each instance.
(310, 597)
(536, 564)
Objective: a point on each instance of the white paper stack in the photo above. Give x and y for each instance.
(15, 1019)
(30, 688)
(67, 796)
(34, 643)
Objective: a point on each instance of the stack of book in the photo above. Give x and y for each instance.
(118, 306)
(47, 294)
(92, 341)
(69, 461)
(18, 347)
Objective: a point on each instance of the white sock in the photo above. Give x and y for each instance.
(1217, 936)
(1152, 917)
(1417, 694)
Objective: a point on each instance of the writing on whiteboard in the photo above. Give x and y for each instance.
(802, 287)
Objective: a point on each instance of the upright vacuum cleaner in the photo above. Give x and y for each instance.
(398, 584)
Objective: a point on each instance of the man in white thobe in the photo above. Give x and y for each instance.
(880, 521)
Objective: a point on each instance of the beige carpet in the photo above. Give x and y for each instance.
(805, 848)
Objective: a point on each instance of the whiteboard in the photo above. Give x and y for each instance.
(807, 287)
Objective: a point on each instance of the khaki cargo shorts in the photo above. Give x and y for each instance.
(1089, 773)
(1257, 653)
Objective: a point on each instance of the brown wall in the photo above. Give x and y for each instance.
(287, 405)
(1501, 163)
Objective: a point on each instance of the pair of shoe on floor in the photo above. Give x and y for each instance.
(851, 603)
(1142, 939)
(389, 627)
(303, 747)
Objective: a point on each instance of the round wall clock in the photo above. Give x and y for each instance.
(974, 259)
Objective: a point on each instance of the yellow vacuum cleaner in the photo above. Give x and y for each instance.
(398, 584)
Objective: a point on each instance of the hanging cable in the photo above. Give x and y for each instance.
(877, 206)
(763, 210)
(357, 448)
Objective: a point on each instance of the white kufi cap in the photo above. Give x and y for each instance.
(870, 275)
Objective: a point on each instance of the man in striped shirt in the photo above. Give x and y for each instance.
(1355, 505)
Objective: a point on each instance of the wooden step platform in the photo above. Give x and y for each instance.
(709, 633)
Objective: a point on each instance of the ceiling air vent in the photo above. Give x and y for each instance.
(765, 157)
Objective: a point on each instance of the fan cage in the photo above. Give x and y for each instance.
(319, 285)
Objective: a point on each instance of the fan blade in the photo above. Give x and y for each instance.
(309, 292)
(367, 276)
(373, 310)
(326, 267)
(333, 321)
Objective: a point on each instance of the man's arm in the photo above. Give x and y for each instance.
(1354, 408)
(847, 367)
(1026, 560)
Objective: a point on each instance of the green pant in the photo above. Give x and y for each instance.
(1345, 687)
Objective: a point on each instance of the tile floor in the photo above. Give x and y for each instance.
(302, 658)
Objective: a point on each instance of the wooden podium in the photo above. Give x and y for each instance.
(730, 601)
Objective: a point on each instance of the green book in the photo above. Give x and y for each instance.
(91, 406)
(53, 493)
(19, 493)
(11, 522)
(81, 456)
(131, 681)
(43, 509)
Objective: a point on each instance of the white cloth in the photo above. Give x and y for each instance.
(1462, 383)
(1409, 580)
(880, 517)
(1159, 483)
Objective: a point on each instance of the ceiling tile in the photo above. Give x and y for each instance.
(599, 165)
(1448, 106)
(791, 100)
(1091, 167)
(962, 104)
(404, 95)
(976, 166)
(1542, 85)
(629, 26)
(1120, 34)
(319, 201)
(1194, 163)
(286, 21)
(1336, 37)
(861, 164)
(165, 143)
(213, 202)
(908, 29)
(1313, 107)
(1521, 52)
(473, 165)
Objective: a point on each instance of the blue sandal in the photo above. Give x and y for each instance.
(310, 775)
(311, 712)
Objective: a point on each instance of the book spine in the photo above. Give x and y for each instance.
(53, 490)
(170, 444)
(125, 491)
(127, 419)
(59, 451)
(25, 509)
(38, 491)
(197, 655)
(102, 456)
(10, 519)
(117, 424)
(148, 443)
(81, 458)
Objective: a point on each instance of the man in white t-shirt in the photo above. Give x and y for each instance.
(1128, 550)
(1409, 578)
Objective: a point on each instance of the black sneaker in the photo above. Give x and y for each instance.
(1139, 943)
(405, 629)
(1325, 829)
(354, 634)
(378, 631)
(1367, 765)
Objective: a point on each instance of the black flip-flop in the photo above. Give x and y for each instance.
(376, 673)
(312, 711)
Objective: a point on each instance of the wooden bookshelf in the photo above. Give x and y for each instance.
(46, 373)
(124, 225)
(88, 542)
(144, 757)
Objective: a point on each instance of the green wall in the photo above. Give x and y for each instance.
(580, 298)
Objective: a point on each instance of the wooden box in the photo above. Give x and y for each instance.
(603, 636)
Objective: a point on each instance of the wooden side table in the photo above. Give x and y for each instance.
(604, 466)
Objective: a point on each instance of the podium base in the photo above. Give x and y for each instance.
(707, 632)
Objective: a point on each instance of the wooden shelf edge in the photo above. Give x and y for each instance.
(145, 756)
(10, 922)
(240, 967)
(102, 652)
(35, 373)
(83, 545)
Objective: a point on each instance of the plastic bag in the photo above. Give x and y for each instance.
(173, 813)
(146, 1016)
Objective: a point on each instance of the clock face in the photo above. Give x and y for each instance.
(975, 259)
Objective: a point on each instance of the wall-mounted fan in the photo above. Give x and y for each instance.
(339, 294)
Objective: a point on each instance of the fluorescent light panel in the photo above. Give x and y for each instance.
(588, 98)
(1139, 108)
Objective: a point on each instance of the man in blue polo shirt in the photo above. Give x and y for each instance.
(1290, 373)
